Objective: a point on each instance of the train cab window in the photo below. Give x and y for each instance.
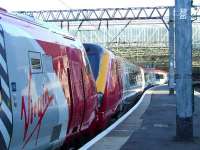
(159, 76)
(94, 54)
(95, 62)
(132, 78)
(35, 62)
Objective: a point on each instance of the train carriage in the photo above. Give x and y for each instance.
(133, 81)
(47, 90)
(155, 77)
(108, 81)
(118, 82)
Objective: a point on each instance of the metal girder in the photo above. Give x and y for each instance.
(99, 14)
(107, 14)
(81, 20)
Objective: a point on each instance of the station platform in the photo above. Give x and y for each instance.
(151, 126)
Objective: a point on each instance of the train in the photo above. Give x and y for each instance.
(133, 81)
(53, 88)
(47, 88)
(117, 81)
(155, 77)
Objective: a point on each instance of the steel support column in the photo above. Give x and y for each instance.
(61, 25)
(183, 39)
(171, 50)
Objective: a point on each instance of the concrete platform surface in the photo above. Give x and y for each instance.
(152, 126)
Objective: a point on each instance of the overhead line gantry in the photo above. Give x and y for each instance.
(106, 14)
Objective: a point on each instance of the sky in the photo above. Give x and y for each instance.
(72, 4)
(13, 5)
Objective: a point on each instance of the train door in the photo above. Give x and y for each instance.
(119, 80)
(113, 81)
(90, 95)
(38, 100)
(115, 89)
(77, 91)
(110, 89)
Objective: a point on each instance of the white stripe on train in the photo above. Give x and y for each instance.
(5, 87)
(5, 133)
(6, 110)
(3, 63)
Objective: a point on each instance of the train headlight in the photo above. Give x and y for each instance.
(100, 99)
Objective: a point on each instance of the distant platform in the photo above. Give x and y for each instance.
(151, 126)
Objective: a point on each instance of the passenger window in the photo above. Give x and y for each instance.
(35, 62)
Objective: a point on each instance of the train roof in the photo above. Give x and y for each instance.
(36, 22)
(44, 31)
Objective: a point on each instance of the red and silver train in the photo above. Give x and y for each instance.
(50, 92)
(155, 76)
(117, 81)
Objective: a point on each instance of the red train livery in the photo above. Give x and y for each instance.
(117, 81)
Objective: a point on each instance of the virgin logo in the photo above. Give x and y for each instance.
(34, 110)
